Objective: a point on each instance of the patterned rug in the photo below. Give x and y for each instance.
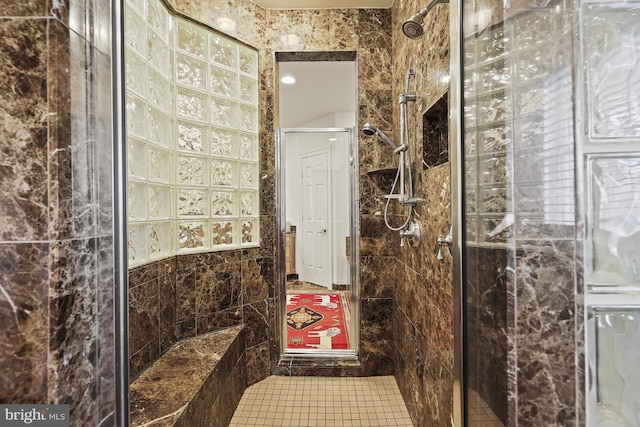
(317, 320)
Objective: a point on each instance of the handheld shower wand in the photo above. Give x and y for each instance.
(370, 130)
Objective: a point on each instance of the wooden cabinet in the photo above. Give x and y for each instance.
(290, 253)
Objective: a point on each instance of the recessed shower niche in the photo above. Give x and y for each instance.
(435, 133)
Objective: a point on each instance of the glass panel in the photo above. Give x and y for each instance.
(223, 142)
(136, 117)
(135, 73)
(614, 345)
(191, 235)
(137, 201)
(222, 172)
(138, 245)
(248, 118)
(248, 61)
(159, 128)
(191, 39)
(190, 137)
(248, 146)
(159, 55)
(191, 104)
(493, 109)
(223, 82)
(223, 51)
(494, 76)
(249, 202)
(248, 175)
(223, 113)
(611, 50)
(223, 203)
(616, 221)
(160, 165)
(158, 90)
(172, 67)
(191, 170)
(160, 202)
(191, 71)
(249, 231)
(315, 213)
(136, 158)
(136, 32)
(158, 18)
(222, 233)
(160, 239)
(191, 202)
(248, 90)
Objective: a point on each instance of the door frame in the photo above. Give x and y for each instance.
(286, 355)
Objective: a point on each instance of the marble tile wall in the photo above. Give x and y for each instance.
(56, 232)
(366, 32)
(189, 295)
(423, 308)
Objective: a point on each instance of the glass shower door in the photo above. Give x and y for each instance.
(518, 162)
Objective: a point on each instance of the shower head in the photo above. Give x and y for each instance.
(413, 27)
(369, 129)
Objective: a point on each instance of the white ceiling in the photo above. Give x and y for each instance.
(321, 88)
(323, 4)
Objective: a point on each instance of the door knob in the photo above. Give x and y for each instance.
(324, 230)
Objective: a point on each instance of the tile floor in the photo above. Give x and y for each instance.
(322, 402)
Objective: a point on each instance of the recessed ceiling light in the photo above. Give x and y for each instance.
(333, 139)
(288, 80)
(226, 24)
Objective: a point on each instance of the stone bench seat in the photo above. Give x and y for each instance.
(197, 382)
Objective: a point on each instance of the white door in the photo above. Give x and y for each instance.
(316, 221)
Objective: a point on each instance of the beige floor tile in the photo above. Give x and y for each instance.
(322, 402)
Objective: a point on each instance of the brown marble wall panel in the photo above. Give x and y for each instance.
(144, 302)
(252, 17)
(217, 288)
(378, 276)
(546, 335)
(73, 339)
(51, 174)
(258, 363)
(488, 341)
(257, 279)
(167, 303)
(25, 8)
(424, 296)
(23, 142)
(185, 288)
(376, 336)
(375, 238)
(256, 320)
(151, 313)
(24, 328)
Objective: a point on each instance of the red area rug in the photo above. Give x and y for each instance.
(317, 320)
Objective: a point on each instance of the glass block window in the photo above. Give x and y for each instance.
(193, 149)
